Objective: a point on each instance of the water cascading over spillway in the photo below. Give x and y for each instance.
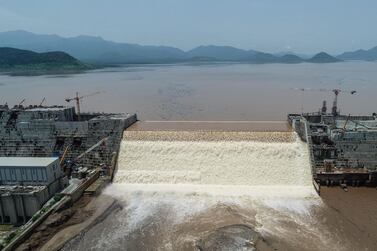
(223, 162)
(212, 190)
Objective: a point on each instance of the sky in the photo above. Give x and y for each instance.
(303, 26)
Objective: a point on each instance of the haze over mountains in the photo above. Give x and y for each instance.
(368, 55)
(97, 50)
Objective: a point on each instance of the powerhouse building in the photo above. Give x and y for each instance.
(26, 183)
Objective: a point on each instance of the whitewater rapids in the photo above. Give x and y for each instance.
(217, 167)
(177, 191)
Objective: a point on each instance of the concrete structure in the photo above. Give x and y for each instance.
(343, 148)
(49, 131)
(29, 171)
(26, 184)
(19, 203)
(32, 139)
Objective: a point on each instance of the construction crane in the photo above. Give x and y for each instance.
(22, 101)
(43, 100)
(334, 109)
(92, 148)
(78, 99)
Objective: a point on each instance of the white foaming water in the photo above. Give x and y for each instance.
(174, 193)
(219, 167)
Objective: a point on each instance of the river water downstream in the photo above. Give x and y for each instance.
(208, 194)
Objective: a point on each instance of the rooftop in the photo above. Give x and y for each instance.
(46, 108)
(27, 161)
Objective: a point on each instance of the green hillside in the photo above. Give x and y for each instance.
(23, 62)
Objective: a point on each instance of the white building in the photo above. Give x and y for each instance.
(29, 171)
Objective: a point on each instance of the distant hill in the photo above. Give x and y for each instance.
(23, 61)
(300, 55)
(223, 53)
(368, 55)
(99, 51)
(323, 57)
(228, 53)
(291, 59)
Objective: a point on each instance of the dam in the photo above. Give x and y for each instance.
(241, 161)
(206, 186)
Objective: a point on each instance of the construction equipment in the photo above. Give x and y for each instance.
(43, 100)
(62, 159)
(345, 124)
(91, 148)
(77, 99)
(334, 109)
(22, 101)
(64, 155)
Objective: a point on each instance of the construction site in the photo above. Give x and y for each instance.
(48, 153)
(343, 147)
(75, 181)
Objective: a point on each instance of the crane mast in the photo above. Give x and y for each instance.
(334, 109)
(77, 98)
(335, 104)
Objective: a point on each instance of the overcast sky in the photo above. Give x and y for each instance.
(305, 26)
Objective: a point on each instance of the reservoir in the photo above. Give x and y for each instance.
(210, 92)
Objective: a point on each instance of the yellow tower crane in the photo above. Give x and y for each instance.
(78, 99)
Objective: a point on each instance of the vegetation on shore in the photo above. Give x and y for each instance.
(18, 62)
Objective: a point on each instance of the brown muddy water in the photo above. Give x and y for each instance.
(211, 191)
(205, 92)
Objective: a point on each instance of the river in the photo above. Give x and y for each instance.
(206, 91)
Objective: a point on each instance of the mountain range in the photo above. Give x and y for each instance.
(92, 49)
(367, 55)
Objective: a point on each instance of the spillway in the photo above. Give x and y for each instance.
(215, 161)
(209, 189)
